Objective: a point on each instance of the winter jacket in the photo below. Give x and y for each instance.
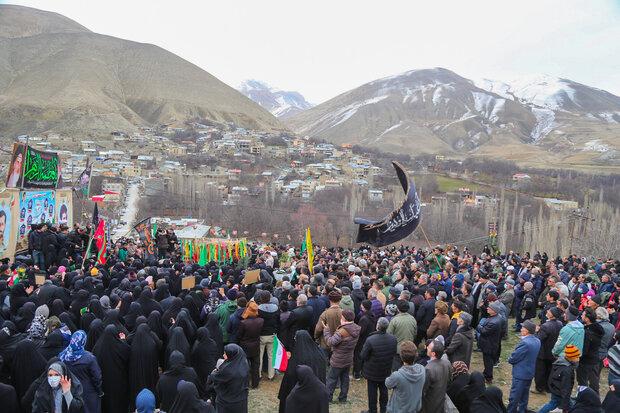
(271, 316)
(367, 325)
(342, 343)
(607, 339)
(490, 335)
(528, 306)
(548, 335)
(404, 327)
(87, 370)
(439, 326)
(507, 298)
(318, 306)
(523, 358)
(331, 317)
(233, 324)
(357, 296)
(248, 335)
(571, 333)
(561, 380)
(438, 375)
(347, 303)
(223, 313)
(408, 383)
(461, 346)
(299, 319)
(377, 356)
(591, 344)
(425, 314)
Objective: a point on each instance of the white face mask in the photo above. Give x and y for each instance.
(53, 381)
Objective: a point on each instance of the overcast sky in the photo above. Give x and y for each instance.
(324, 47)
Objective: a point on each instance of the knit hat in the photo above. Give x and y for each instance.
(528, 286)
(394, 292)
(602, 314)
(557, 313)
(529, 326)
(43, 310)
(105, 302)
(572, 313)
(510, 281)
(357, 285)
(94, 271)
(345, 291)
(466, 317)
(62, 268)
(496, 306)
(571, 352)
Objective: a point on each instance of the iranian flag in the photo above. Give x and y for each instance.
(280, 358)
(101, 242)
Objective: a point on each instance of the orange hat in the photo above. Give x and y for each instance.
(571, 352)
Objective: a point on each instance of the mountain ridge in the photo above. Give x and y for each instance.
(280, 103)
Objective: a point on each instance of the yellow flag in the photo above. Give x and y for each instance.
(310, 251)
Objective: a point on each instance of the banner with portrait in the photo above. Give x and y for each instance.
(8, 202)
(64, 207)
(14, 175)
(35, 207)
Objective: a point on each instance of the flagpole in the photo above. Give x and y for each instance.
(90, 241)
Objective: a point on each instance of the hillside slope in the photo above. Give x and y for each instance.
(70, 80)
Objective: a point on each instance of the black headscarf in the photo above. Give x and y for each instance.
(204, 354)
(53, 345)
(80, 301)
(187, 400)
(177, 342)
(309, 394)
(57, 307)
(472, 390)
(184, 321)
(135, 311)
(172, 312)
(161, 292)
(587, 402)
(25, 315)
(192, 308)
(148, 303)
(94, 332)
(113, 317)
(215, 332)
(113, 358)
(167, 384)
(8, 399)
(156, 325)
(230, 381)
(491, 401)
(308, 353)
(27, 365)
(143, 361)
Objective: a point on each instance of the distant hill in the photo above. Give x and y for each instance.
(280, 103)
(56, 75)
(438, 111)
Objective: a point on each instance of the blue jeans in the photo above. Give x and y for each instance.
(335, 375)
(552, 404)
(519, 395)
(39, 259)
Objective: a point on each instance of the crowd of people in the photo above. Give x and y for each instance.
(125, 336)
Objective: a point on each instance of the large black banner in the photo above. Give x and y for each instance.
(41, 169)
(398, 224)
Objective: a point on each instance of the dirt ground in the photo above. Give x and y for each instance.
(265, 398)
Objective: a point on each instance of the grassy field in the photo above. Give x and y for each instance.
(265, 398)
(447, 184)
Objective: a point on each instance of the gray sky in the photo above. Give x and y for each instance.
(324, 47)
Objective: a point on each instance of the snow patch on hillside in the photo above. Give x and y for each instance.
(545, 122)
(595, 146)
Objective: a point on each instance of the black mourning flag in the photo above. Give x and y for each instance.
(399, 223)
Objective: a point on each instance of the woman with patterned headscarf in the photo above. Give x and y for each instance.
(83, 365)
(460, 379)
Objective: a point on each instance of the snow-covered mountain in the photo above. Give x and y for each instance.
(280, 103)
(434, 107)
(436, 110)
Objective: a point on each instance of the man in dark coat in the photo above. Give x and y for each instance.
(548, 335)
(425, 314)
(588, 373)
(367, 323)
(490, 337)
(438, 375)
(377, 355)
(299, 319)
